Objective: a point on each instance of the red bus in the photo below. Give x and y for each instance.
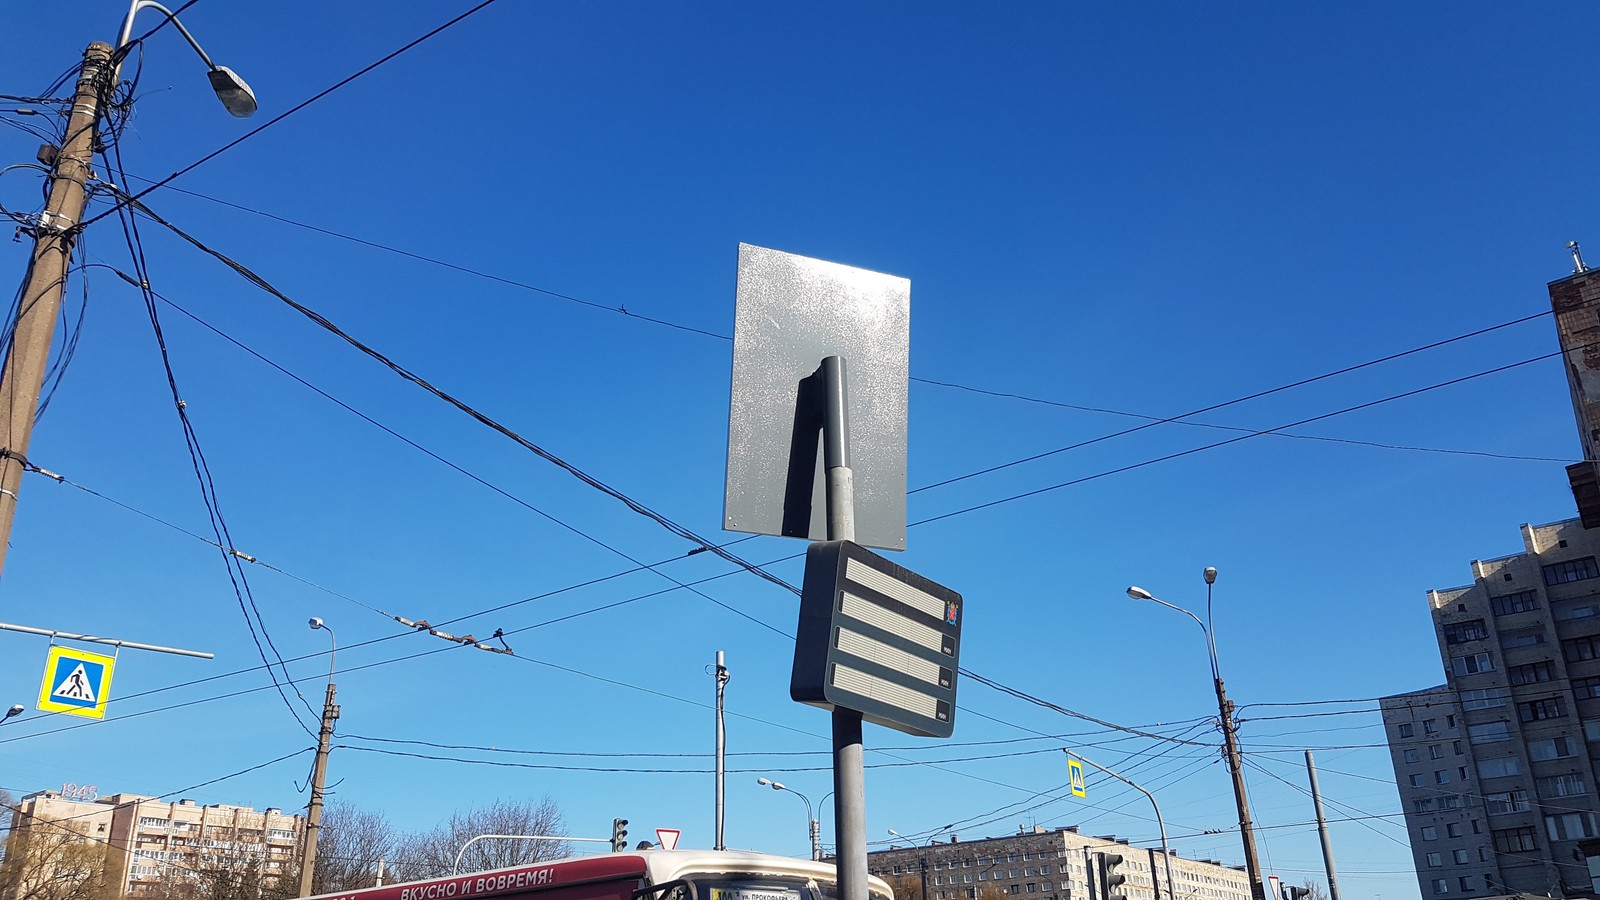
(640, 875)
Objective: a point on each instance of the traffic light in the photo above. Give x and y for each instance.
(619, 835)
(1290, 892)
(1112, 880)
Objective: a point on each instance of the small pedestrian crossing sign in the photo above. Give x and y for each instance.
(76, 682)
(1075, 776)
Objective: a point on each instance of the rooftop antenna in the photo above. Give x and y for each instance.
(1578, 268)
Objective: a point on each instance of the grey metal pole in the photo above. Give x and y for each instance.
(93, 639)
(722, 748)
(1166, 852)
(1322, 830)
(849, 778)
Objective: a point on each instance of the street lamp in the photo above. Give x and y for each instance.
(812, 824)
(922, 861)
(319, 770)
(1230, 736)
(15, 710)
(235, 95)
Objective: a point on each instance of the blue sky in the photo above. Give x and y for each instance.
(1141, 209)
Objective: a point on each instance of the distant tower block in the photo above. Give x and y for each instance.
(1576, 303)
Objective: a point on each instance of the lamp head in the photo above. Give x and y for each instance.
(896, 834)
(15, 710)
(1211, 575)
(235, 95)
(315, 623)
(1138, 593)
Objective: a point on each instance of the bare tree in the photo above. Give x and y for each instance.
(906, 887)
(54, 861)
(433, 853)
(349, 845)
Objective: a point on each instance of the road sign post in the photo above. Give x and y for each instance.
(817, 450)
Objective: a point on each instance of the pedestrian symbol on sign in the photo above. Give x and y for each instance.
(75, 687)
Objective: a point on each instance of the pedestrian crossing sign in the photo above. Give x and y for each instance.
(1075, 776)
(76, 682)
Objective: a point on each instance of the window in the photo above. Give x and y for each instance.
(1591, 729)
(1581, 648)
(1522, 637)
(1566, 613)
(1413, 756)
(1461, 632)
(1441, 885)
(1457, 746)
(1489, 732)
(1461, 857)
(1521, 601)
(1540, 710)
(1453, 829)
(1405, 730)
(1571, 570)
(1496, 768)
(1483, 854)
(1435, 751)
(1417, 780)
(1532, 673)
(1430, 833)
(1466, 881)
(1516, 840)
(1586, 688)
(1552, 748)
(1044, 870)
(1435, 861)
(1506, 802)
(1569, 785)
(1441, 777)
(1571, 826)
(1430, 727)
(1472, 664)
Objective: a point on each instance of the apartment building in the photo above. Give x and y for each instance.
(1042, 864)
(158, 848)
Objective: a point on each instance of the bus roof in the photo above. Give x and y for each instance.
(657, 866)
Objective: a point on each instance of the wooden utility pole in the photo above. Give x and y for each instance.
(319, 775)
(42, 288)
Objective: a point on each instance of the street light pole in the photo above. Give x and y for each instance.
(1166, 851)
(319, 770)
(1230, 735)
(815, 827)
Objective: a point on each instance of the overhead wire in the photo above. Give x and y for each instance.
(1180, 419)
(410, 45)
(111, 153)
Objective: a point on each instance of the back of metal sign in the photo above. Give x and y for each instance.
(792, 312)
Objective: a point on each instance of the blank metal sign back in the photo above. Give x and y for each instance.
(791, 312)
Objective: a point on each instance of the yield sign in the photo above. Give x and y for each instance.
(667, 838)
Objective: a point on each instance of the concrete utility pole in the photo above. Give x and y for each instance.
(53, 237)
(319, 771)
(1247, 834)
